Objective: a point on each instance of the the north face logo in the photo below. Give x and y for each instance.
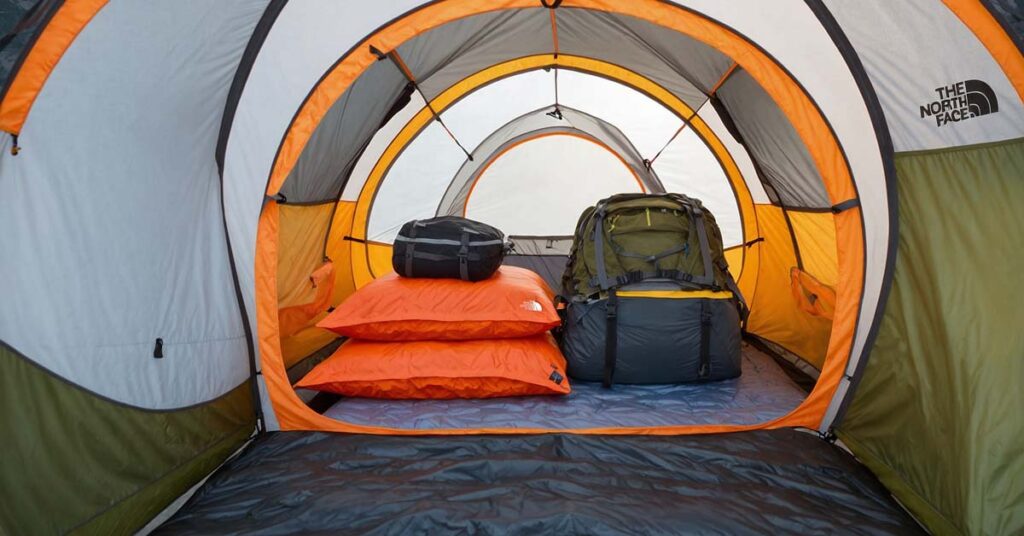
(533, 306)
(961, 101)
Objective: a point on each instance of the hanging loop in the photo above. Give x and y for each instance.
(553, 5)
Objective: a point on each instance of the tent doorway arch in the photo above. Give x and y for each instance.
(823, 178)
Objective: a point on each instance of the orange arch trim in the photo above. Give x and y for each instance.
(824, 149)
(53, 41)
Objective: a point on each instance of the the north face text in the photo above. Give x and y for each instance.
(960, 101)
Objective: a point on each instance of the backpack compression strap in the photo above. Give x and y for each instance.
(611, 338)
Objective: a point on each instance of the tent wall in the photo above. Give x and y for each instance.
(943, 386)
(114, 238)
(74, 461)
(774, 314)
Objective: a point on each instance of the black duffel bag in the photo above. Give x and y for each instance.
(448, 247)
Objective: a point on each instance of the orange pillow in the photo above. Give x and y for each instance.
(442, 369)
(515, 302)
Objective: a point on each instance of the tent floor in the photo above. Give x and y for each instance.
(761, 482)
(762, 393)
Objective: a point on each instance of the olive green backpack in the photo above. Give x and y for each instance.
(629, 238)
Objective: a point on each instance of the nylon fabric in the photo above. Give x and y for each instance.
(53, 41)
(345, 251)
(125, 463)
(332, 150)
(927, 34)
(773, 143)
(296, 317)
(752, 483)
(947, 366)
(115, 211)
(532, 125)
(774, 313)
(515, 302)
(302, 246)
(426, 369)
(815, 234)
(305, 342)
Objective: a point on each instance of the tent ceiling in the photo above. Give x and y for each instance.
(439, 58)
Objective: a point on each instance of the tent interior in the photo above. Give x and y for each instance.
(188, 188)
(520, 118)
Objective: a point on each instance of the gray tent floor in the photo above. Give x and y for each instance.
(761, 482)
(762, 393)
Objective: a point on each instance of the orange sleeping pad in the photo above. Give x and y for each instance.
(515, 302)
(442, 369)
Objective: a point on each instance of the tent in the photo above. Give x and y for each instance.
(174, 174)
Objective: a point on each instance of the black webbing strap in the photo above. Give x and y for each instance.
(704, 371)
(464, 257)
(602, 271)
(685, 279)
(845, 205)
(410, 248)
(697, 217)
(442, 257)
(653, 259)
(611, 337)
(741, 303)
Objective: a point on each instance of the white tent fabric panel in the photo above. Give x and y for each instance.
(485, 110)
(319, 32)
(646, 123)
(414, 184)
(114, 234)
(907, 48)
(541, 187)
(688, 167)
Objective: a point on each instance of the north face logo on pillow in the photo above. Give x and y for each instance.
(961, 101)
(532, 306)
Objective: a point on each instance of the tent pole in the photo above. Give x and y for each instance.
(686, 121)
(397, 60)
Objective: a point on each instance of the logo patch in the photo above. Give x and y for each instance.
(532, 306)
(961, 101)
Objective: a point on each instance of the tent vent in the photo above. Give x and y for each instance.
(158, 349)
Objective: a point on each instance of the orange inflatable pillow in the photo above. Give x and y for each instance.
(442, 369)
(515, 302)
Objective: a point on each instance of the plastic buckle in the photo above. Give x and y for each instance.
(611, 309)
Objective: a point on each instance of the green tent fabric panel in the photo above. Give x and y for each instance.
(75, 462)
(938, 414)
